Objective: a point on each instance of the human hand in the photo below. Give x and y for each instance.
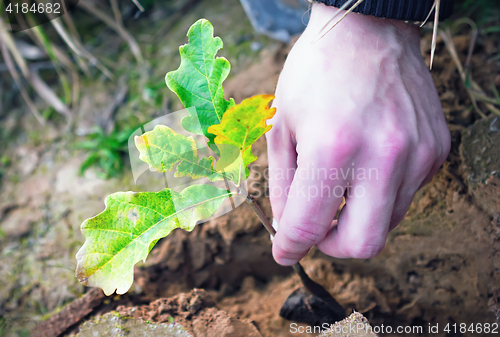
(358, 114)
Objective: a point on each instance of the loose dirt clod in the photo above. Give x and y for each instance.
(356, 322)
(196, 312)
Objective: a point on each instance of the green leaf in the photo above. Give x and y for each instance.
(241, 126)
(198, 81)
(124, 233)
(163, 148)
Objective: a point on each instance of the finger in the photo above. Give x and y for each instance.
(423, 166)
(282, 166)
(440, 159)
(442, 144)
(314, 198)
(428, 169)
(401, 206)
(362, 225)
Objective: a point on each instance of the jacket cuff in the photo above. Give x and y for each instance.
(408, 10)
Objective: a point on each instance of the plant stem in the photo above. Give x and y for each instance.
(262, 217)
(309, 284)
(314, 288)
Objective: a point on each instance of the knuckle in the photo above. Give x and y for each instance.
(304, 235)
(332, 148)
(393, 146)
(427, 154)
(363, 250)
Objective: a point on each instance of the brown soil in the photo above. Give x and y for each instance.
(196, 312)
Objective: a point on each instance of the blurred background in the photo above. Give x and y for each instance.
(73, 90)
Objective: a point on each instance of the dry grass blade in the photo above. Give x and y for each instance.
(48, 95)
(79, 50)
(59, 55)
(493, 109)
(138, 4)
(76, 40)
(75, 45)
(70, 42)
(341, 18)
(35, 81)
(50, 49)
(13, 72)
(475, 93)
(343, 7)
(428, 15)
(71, 25)
(473, 39)
(66, 38)
(64, 65)
(437, 5)
(446, 36)
(11, 46)
(44, 90)
(471, 48)
(134, 47)
(116, 12)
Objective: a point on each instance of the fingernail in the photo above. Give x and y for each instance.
(275, 226)
(287, 262)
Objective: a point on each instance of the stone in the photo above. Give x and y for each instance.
(480, 152)
(356, 322)
(114, 325)
(18, 222)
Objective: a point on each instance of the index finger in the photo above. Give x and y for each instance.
(313, 200)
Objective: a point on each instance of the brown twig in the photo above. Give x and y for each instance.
(262, 217)
(69, 315)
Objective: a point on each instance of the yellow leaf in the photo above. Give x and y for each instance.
(240, 127)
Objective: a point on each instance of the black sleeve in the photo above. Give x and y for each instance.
(411, 10)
